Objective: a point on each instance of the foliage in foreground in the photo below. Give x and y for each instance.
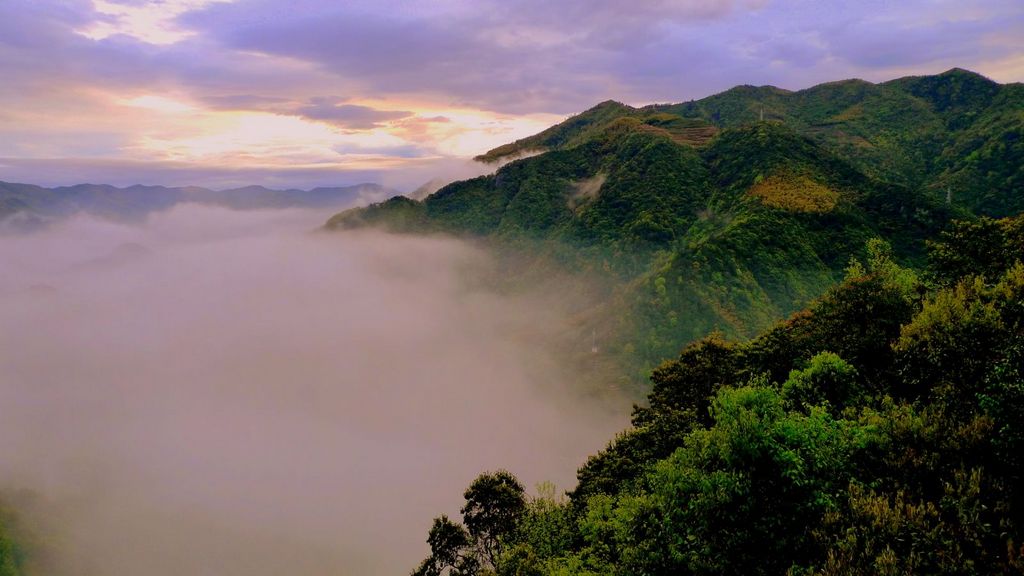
(878, 432)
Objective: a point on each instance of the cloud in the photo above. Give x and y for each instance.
(525, 56)
(398, 63)
(150, 22)
(405, 151)
(870, 44)
(331, 110)
(245, 102)
(348, 116)
(223, 392)
(509, 57)
(506, 57)
(64, 171)
(412, 172)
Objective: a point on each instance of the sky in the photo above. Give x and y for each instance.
(302, 93)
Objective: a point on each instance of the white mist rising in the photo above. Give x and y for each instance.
(225, 393)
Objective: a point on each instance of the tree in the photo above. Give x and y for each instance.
(494, 504)
(450, 549)
(952, 342)
(688, 384)
(680, 400)
(828, 379)
(741, 496)
(983, 247)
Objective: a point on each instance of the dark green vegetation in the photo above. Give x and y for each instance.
(12, 552)
(881, 431)
(957, 132)
(700, 216)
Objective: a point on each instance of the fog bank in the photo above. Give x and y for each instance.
(219, 392)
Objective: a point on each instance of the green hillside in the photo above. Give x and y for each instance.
(729, 233)
(956, 132)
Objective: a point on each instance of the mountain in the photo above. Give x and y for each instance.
(702, 216)
(849, 393)
(955, 133)
(26, 205)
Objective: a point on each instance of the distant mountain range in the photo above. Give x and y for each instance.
(733, 211)
(26, 206)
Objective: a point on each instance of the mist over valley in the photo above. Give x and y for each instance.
(233, 392)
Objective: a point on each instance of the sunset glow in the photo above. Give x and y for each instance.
(377, 88)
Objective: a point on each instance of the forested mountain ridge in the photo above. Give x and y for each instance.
(729, 228)
(955, 133)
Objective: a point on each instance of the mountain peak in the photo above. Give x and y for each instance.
(751, 89)
(953, 93)
(965, 73)
(613, 104)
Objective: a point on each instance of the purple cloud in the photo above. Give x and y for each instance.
(348, 116)
(531, 56)
(509, 57)
(513, 56)
(327, 109)
(404, 151)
